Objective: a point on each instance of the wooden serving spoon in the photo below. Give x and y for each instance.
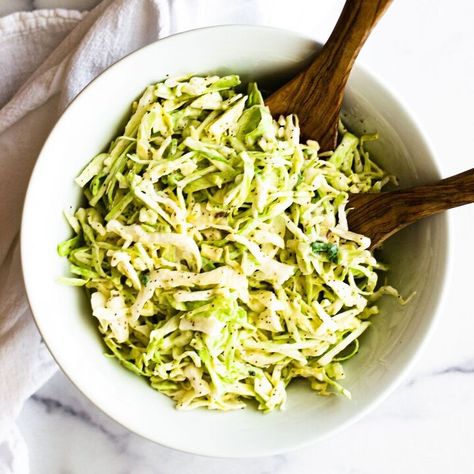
(315, 94)
(380, 215)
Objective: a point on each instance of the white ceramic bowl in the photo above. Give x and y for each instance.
(417, 256)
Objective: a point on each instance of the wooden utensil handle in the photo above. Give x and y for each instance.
(381, 215)
(456, 190)
(423, 201)
(354, 25)
(337, 57)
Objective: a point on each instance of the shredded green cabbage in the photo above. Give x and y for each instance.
(216, 251)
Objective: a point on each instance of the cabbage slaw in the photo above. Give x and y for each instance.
(215, 248)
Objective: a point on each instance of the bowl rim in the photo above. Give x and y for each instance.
(445, 260)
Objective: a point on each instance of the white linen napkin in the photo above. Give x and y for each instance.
(46, 58)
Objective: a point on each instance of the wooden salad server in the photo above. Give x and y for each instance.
(380, 215)
(315, 94)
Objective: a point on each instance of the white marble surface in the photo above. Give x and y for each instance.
(423, 51)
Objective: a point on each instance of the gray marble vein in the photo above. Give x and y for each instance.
(53, 406)
(465, 368)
